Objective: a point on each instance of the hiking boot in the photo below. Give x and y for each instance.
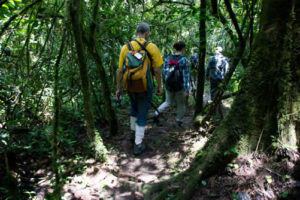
(155, 119)
(138, 149)
(179, 124)
(132, 136)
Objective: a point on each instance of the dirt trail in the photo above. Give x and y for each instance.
(169, 150)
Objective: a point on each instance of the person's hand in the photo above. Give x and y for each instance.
(159, 91)
(119, 92)
(186, 94)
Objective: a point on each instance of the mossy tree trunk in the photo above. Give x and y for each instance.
(201, 64)
(109, 111)
(55, 138)
(75, 16)
(267, 106)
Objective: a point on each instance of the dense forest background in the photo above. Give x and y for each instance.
(58, 68)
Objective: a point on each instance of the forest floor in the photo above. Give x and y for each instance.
(170, 150)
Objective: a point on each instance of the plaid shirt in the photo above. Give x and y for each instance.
(184, 69)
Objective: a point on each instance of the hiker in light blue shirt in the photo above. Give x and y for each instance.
(216, 69)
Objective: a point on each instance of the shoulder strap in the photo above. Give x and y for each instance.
(143, 46)
(129, 46)
(180, 57)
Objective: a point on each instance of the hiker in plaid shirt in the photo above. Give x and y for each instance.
(176, 92)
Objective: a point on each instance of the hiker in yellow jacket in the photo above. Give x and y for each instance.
(139, 61)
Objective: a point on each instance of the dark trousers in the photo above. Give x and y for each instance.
(214, 87)
(139, 106)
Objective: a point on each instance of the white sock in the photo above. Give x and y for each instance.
(132, 123)
(139, 134)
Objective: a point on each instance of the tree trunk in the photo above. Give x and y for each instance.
(55, 139)
(109, 111)
(201, 65)
(75, 14)
(267, 106)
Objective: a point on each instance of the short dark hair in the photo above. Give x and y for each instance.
(142, 28)
(179, 45)
(195, 50)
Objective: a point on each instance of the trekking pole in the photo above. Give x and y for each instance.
(155, 107)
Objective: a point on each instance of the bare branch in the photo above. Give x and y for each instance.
(218, 15)
(172, 21)
(160, 2)
(234, 20)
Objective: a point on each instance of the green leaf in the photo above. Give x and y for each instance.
(230, 165)
(235, 196)
(226, 153)
(4, 134)
(5, 6)
(18, 0)
(212, 194)
(12, 2)
(200, 153)
(234, 150)
(204, 183)
(4, 142)
(287, 176)
(250, 161)
(285, 194)
(269, 179)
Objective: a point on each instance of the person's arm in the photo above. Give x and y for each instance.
(191, 61)
(120, 71)
(164, 69)
(157, 62)
(227, 65)
(157, 74)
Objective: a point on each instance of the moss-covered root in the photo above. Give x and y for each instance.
(217, 153)
(99, 148)
(180, 187)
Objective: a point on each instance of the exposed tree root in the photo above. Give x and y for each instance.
(205, 164)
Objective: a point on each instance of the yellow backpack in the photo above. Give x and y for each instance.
(137, 70)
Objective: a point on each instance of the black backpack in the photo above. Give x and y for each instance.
(173, 75)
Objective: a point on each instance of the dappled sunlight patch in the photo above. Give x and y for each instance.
(86, 185)
(199, 144)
